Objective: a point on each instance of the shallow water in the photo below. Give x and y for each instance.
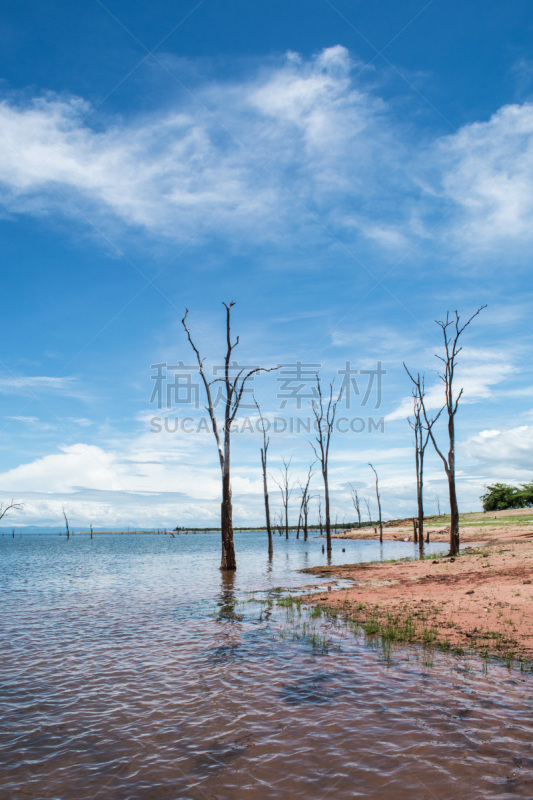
(131, 668)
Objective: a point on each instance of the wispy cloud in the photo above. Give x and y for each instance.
(40, 384)
(265, 155)
(225, 156)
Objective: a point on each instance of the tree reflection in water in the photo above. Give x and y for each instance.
(227, 601)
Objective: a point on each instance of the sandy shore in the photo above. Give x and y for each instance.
(481, 601)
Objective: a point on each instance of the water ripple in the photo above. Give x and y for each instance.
(129, 668)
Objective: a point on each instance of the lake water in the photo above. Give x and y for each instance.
(132, 668)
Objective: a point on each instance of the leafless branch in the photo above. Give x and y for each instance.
(12, 506)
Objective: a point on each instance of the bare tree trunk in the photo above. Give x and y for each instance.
(356, 503)
(325, 420)
(267, 514)
(264, 452)
(420, 497)
(234, 390)
(420, 524)
(66, 523)
(367, 503)
(304, 505)
(422, 433)
(327, 517)
(228, 549)
(379, 505)
(451, 404)
(454, 508)
(286, 491)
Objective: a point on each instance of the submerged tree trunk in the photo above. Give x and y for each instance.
(228, 550)
(67, 525)
(286, 491)
(326, 513)
(234, 387)
(268, 525)
(267, 503)
(264, 455)
(324, 423)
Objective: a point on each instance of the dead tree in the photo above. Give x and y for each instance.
(421, 432)
(91, 530)
(234, 387)
(324, 419)
(367, 504)
(306, 516)
(379, 504)
(12, 506)
(451, 332)
(264, 451)
(286, 491)
(356, 503)
(304, 505)
(66, 523)
(320, 515)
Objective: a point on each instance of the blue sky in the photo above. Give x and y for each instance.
(345, 172)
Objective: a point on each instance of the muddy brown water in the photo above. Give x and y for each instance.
(131, 668)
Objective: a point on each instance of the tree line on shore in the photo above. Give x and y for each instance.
(503, 496)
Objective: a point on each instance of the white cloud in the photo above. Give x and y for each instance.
(504, 453)
(487, 170)
(297, 136)
(74, 466)
(265, 155)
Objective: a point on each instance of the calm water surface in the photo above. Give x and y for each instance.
(131, 668)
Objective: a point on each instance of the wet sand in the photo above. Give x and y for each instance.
(481, 601)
